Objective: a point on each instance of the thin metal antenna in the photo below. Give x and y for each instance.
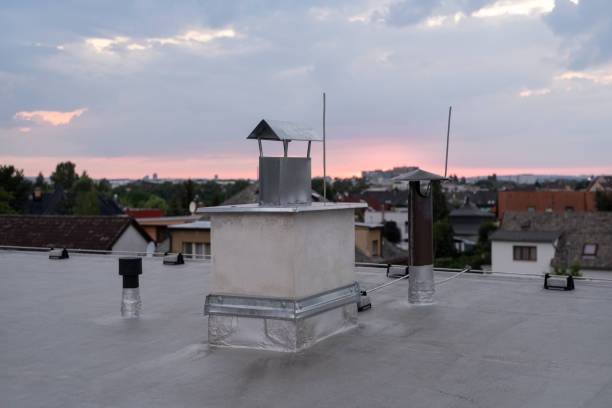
(324, 158)
(450, 108)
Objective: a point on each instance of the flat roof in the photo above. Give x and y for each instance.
(488, 341)
(191, 225)
(256, 208)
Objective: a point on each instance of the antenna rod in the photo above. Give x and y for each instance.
(324, 158)
(450, 108)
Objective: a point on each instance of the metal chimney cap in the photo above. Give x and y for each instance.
(418, 175)
(283, 131)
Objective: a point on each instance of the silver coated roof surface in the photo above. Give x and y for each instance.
(489, 341)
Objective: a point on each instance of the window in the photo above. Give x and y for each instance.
(525, 253)
(187, 248)
(569, 209)
(198, 249)
(531, 209)
(549, 209)
(589, 249)
(207, 249)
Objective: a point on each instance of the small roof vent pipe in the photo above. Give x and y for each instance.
(58, 253)
(130, 268)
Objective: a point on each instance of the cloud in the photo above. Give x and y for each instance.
(55, 118)
(101, 45)
(585, 29)
(534, 92)
(521, 8)
(194, 36)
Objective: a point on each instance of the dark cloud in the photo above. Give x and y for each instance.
(586, 30)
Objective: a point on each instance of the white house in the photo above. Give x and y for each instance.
(523, 251)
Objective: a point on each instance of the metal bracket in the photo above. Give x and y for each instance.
(281, 309)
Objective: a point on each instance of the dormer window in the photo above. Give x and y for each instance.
(589, 249)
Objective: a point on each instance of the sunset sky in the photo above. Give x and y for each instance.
(128, 88)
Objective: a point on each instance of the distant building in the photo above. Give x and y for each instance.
(368, 238)
(100, 233)
(535, 242)
(154, 176)
(466, 222)
(60, 202)
(157, 228)
(398, 215)
(545, 201)
(192, 239)
(600, 183)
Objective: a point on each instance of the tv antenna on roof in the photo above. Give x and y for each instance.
(450, 108)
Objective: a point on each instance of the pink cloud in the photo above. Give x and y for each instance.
(55, 118)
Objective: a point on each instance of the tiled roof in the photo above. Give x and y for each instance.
(577, 229)
(525, 236)
(68, 231)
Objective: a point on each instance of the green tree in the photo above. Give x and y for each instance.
(444, 245)
(87, 203)
(41, 182)
(603, 201)
(83, 184)
(391, 232)
(5, 200)
(64, 175)
(188, 194)
(317, 185)
(440, 207)
(104, 188)
(156, 202)
(16, 188)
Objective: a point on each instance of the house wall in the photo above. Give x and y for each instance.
(364, 240)
(503, 261)
(400, 218)
(131, 241)
(180, 236)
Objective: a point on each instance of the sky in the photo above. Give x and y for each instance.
(129, 88)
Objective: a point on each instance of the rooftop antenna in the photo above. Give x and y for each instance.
(324, 158)
(450, 108)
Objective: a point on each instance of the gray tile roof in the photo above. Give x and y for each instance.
(525, 236)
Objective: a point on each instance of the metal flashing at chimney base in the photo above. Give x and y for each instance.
(421, 287)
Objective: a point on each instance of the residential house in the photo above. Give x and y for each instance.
(545, 201)
(368, 238)
(99, 233)
(144, 212)
(191, 238)
(600, 183)
(157, 228)
(59, 202)
(529, 242)
(466, 222)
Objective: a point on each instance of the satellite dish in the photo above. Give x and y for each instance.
(192, 207)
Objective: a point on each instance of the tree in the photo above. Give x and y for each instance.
(391, 232)
(83, 184)
(188, 194)
(16, 188)
(440, 208)
(41, 182)
(5, 199)
(87, 203)
(156, 202)
(444, 245)
(104, 188)
(317, 185)
(64, 175)
(603, 201)
(462, 180)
